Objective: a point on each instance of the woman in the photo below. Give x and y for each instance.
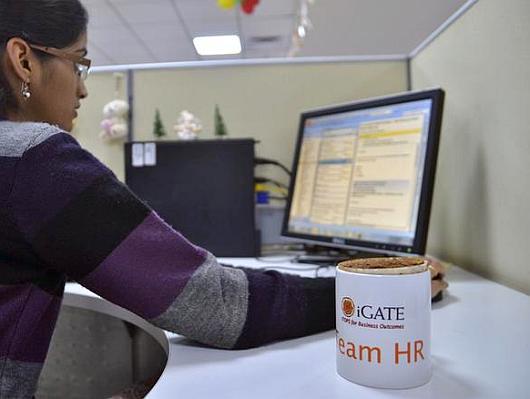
(62, 213)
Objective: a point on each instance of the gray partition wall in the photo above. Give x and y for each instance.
(481, 207)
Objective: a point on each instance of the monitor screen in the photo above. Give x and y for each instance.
(363, 174)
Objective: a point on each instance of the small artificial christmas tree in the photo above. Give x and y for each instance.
(158, 130)
(220, 128)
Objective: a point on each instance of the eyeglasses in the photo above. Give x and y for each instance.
(81, 64)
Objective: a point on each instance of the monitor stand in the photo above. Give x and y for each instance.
(319, 255)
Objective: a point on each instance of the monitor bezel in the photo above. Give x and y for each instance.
(436, 95)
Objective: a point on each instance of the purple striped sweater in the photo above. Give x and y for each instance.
(62, 213)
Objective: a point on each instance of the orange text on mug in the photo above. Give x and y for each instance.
(411, 352)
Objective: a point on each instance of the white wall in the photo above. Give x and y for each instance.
(481, 206)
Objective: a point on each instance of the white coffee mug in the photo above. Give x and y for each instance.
(384, 326)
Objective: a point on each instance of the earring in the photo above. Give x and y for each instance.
(26, 94)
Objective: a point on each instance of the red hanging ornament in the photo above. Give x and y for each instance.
(248, 6)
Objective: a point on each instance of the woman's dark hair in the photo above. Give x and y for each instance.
(53, 23)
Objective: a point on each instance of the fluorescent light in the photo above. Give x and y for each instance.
(217, 45)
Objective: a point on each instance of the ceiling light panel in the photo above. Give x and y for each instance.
(217, 45)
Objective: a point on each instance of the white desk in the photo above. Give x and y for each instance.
(480, 349)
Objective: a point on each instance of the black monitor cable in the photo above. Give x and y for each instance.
(266, 161)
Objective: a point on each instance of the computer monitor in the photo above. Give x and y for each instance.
(363, 174)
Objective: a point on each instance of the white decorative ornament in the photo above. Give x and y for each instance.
(303, 25)
(188, 126)
(114, 125)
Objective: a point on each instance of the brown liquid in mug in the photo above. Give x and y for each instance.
(385, 266)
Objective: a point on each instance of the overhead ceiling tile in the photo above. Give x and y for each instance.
(265, 53)
(168, 42)
(100, 14)
(367, 28)
(132, 54)
(207, 27)
(267, 32)
(111, 37)
(268, 25)
(161, 29)
(112, 40)
(161, 32)
(203, 9)
(266, 44)
(220, 57)
(167, 52)
(276, 8)
(153, 11)
(98, 57)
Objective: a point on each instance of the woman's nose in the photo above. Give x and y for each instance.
(83, 92)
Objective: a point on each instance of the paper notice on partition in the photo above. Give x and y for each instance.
(150, 154)
(138, 155)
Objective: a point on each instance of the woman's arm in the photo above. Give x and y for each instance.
(80, 220)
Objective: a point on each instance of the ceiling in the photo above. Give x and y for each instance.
(150, 31)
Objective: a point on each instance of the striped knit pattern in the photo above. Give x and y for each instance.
(62, 213)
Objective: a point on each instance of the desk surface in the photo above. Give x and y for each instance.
(480, 349)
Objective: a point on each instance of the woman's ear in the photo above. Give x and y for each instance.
(19, 58)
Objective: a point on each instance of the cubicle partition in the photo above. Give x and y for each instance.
(481, 204)
(262, 100)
